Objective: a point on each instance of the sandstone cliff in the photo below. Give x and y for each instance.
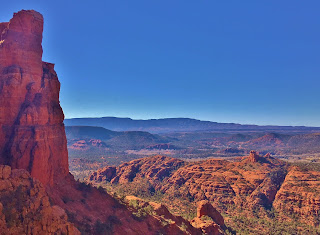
(32, 134)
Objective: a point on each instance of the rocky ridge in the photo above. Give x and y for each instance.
(252, 184)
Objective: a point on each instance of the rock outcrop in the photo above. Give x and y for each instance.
(214, 180)
(32, 134)
(253, 156)
(299, 195)
(204, 207)
(105, 174)
(172, 224)
(252, 184)
(154, 169)
(25, 207)
(208, 219)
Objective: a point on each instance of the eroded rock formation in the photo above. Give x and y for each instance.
(32, 134)
(25, 206)
(154, 168)
(254, 184)
(253, 156)
(208, 219)
(204, 207)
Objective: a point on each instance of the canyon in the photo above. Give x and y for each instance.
(253, 187)
(257, 193)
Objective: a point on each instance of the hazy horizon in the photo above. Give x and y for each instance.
(245, 62)
(146, 119)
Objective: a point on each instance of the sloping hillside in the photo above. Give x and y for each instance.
(114, 139)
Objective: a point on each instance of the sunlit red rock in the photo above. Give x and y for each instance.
(253, 157)
(204, 207)
(32, 134)
(251, 183)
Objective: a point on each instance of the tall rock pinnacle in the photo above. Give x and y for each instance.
(32, 134)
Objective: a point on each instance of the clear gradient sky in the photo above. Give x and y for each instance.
(253, 62)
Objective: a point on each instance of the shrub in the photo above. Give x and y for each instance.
(84, 187)
(206, 218)
(13, 204)
(66, 199)
(107, 226)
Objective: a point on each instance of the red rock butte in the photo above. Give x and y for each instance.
(32, 134)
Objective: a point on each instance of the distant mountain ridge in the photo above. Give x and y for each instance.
(129, 139)
(167, 125)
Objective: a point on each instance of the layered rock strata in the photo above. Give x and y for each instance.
(252, 183)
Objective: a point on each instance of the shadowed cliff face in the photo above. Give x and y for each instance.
(32, 134)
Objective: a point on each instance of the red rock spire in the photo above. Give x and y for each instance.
(253, 156)
(32, 134)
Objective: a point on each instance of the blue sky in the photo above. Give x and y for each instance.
(255, 62)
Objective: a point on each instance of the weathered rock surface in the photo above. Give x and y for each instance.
(93, 211)
(172, 224)
(105, 174)
(253, 156)
(25, 207)
(32, 134)
(208, 219)
(253, 183)
(207, 227)
(155, 168)
(213, 180)
(299, 195)
(204, 207)
(86, 144)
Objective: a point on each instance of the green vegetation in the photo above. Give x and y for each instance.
(307, 166)
(165, 222)
(180, 202)
(140, 211)
(107, 226)
(84, 187)
(238, 221)
(206, 218)
(242, 224)
(183, 227)
(13, 204)
(203, 145)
